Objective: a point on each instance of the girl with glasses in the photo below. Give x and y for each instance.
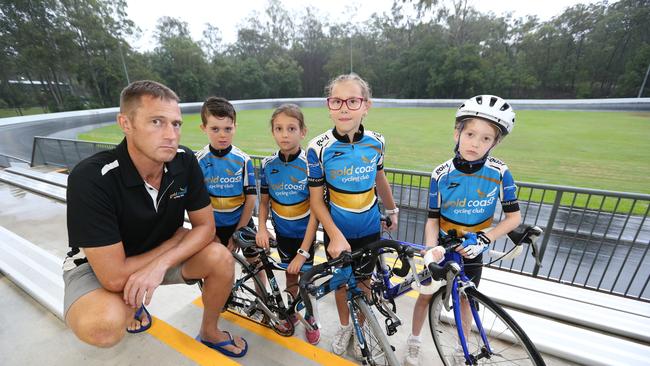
(345, 175)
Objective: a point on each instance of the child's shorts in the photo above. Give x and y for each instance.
(288, 249)
(225, 232)
(363, 268)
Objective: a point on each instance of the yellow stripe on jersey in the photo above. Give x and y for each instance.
(291, 212)
(355, 202)
(462, 229)
(227, 204)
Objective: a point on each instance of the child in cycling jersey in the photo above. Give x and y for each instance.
(345, 175)
(228, 172)
(283, 185)
(463, 195)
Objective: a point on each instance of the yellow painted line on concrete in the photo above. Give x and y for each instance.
(188, 346)
(294, 344)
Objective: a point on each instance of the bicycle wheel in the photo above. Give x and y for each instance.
(248, 294)
(381, 352)
(242, 300)
(508, 342)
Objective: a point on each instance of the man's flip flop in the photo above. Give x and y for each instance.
(138, 317)
(220, 346)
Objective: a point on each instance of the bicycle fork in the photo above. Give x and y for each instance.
(486, 351)
(356, 323)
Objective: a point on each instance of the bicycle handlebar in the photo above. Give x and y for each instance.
(347, 258)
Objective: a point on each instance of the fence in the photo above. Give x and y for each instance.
(6, 160)
(592, 238)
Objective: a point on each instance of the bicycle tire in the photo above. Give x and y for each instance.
(243, 292)
(243, 296)
(381, 352)
(508, 342)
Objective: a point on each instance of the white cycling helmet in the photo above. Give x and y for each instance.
(490, 108)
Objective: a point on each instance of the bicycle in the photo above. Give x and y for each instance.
(494, 336)
(249, 297)
(374, 344)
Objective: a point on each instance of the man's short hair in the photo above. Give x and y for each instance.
(218, 107)
(130, 96)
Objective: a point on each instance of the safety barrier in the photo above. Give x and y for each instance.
(593, 239)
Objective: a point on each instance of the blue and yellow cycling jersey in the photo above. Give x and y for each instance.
(465, 200)
(285, 181)
(229, 176)
(348, 170)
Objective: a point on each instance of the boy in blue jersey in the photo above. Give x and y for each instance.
(228, 172)
(346, 163)
(463, 196)
(284, 191)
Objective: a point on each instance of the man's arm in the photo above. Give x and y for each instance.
(144, 282)
(113, 268)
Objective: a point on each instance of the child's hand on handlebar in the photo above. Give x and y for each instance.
(433, 255)
(473, 245)
(390, 222)
(338, 246)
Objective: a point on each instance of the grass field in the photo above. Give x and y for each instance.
(601, 150)
(10, 112)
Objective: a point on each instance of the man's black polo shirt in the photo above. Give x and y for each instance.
(108, 202)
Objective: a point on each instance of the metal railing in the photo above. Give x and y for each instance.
(592, 238)
(6, 160)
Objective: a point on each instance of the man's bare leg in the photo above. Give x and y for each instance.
(100, 318)
(215, 265)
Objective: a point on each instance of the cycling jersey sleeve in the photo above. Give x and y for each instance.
(434, 199)
(509, 201)
(380, 161)
(249, 178)
(315, 175)
(264, 185)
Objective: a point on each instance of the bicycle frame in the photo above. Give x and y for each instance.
(454, 289)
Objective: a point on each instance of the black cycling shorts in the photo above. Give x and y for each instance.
(363, 267)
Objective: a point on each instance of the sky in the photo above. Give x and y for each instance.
(227, 15)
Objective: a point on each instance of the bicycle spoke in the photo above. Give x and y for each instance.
(508, 343)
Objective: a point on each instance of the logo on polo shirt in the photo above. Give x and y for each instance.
(180, 194)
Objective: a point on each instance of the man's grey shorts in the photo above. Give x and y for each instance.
(81, 280)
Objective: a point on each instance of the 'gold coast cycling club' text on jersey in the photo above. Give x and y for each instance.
(348, 170)
(229, 176)
(285, 181)
(466, 200)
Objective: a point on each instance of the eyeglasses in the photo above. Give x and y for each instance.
(353, 104)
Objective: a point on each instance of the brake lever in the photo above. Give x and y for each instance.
(452, 272)
(535, 253)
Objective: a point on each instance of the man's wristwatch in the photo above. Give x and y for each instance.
(304, 253)
(393, 211)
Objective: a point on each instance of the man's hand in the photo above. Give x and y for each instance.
(231, 245)
(296, 264)
(262, 238)
(141, 284)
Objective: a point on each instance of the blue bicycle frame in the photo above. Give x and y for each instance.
(391, 291)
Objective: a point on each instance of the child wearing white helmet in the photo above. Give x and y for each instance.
(463, 194)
